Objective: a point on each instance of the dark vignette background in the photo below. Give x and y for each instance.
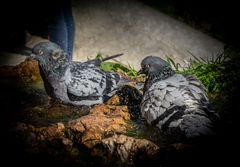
(219, 19)
(216, 18)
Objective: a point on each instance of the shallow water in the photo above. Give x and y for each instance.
(29, 103)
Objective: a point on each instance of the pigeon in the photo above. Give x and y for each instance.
(175, 103)
(72, 82)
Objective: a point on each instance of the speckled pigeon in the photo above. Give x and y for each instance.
(71, 82)
(175, 102)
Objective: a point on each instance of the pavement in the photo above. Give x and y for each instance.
(137, 30)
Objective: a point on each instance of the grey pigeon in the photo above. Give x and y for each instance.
(175, 102)
(71, 82)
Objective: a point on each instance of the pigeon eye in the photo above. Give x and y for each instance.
(40, 52)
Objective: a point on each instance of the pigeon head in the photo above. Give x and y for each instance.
(48, 53)
(154, 66)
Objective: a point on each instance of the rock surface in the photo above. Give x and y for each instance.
(37, 131)
(129, 151)
(40, 131)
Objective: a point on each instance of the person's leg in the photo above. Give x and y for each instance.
(57, 30)
(69, 20)
(62, 29)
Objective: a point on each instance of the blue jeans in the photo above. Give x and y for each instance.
(62, 29)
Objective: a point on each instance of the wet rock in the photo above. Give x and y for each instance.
(41, 139)
(114, 100)
(102, 120)
(44, 145)
(128, 151)
(87, 145)
(51, 133)
(31, 133)
(76, 138)
(27, 71)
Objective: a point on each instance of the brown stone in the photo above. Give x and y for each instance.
(50, 132)
(102, 120)
(27, 71)
(114, 100)
(124, 150)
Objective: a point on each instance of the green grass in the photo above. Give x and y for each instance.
(219, 73)
(117, 67)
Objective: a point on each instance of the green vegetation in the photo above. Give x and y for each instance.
(220, 73)
(117, 67)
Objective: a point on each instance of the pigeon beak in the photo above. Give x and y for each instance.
(33, 56)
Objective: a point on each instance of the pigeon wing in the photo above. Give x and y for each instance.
(89, 83)
(163, 103)
(86, 82)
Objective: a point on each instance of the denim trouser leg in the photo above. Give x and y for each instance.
(69, 20)
(61, 30)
